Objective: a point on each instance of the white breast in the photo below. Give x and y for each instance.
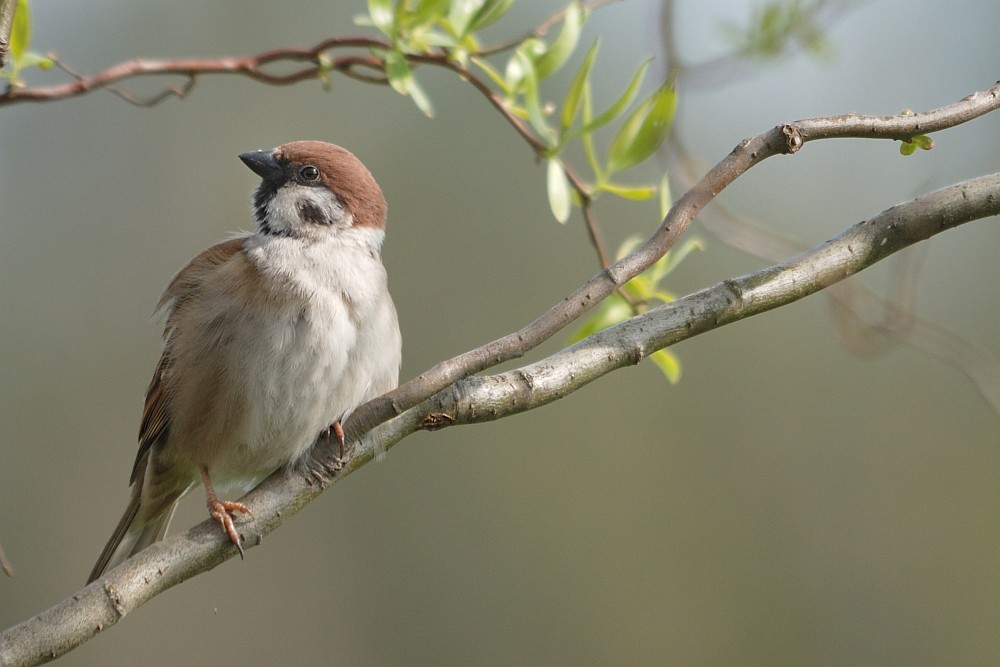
(317, 338)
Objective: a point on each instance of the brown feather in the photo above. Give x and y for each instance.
(148, 520)
(185, 286)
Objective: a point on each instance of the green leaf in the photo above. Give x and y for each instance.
(632, 192)
(907, 148)
(397, 69)
(490, 12)
(923, 142)
(559, 191)
(20, 32)
(382, 15)
(529, 86)
(587, 138)
(325, 66)
(615, 109)
(575, 92)
(669, 364)
(664, 296)
(561, 49)
(644, 130)
(427, 12)
(421, 98)
(492, 73)
(461, 14)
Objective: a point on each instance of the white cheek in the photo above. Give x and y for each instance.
(284, 211)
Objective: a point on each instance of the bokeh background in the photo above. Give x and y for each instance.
(786, 503)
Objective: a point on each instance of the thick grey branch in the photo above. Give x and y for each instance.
(477, 399)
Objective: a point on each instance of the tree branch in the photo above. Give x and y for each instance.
(476, 399)
(480, 399)
(784, 139)
(253, 67)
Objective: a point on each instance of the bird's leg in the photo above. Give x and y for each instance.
(338, 431)
(221, 510)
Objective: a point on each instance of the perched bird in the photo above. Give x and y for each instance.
(271, 338)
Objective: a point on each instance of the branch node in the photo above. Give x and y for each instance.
(115, 599)
(436, 421)
(793, 139)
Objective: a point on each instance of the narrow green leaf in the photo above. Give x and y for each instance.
(397, 70)
(664, 296)
(561, 49)
(492, 73)
(575, 92)
(461, 14)
(618, 107)
(420, 97)
(632, 192)
(521, 65)
(382, 15)
(20, 32)
(532, 100)
(558, 191)
(644, 129)
(491, 11)
(669, 364)
(32, 59)
(587, 138)
(641, 288)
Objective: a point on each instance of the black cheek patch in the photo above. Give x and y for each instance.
(262, 196)
(313, 214)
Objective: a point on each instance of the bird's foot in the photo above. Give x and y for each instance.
(337, 431)
(222, 511)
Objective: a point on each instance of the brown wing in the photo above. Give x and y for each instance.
(185, 286)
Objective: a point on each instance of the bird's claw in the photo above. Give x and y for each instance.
(222, 511)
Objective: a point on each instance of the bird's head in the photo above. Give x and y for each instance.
(311, 189)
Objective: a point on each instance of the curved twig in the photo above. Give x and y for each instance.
(784, 139)
(253, 67)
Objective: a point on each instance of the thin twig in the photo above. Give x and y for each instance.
(253, 67)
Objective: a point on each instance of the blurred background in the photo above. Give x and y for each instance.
(786, 503)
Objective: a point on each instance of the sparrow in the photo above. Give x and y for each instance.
(270, 339)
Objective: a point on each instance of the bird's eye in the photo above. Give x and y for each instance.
(309, 173)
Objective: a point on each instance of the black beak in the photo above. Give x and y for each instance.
(264, 165)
